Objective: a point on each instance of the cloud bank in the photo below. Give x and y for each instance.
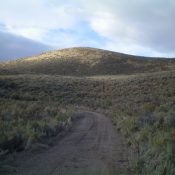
(13, 46)
(141, 27)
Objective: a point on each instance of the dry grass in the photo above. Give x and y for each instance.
(142, 106)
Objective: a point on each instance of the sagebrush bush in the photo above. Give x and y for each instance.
(22, 124)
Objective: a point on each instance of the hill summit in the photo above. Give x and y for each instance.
(85, 62)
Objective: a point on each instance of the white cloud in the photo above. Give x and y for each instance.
(135, 26)
(141, 23)
(34, 18)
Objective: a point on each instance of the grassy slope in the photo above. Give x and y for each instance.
(142, 106)
(85, 61)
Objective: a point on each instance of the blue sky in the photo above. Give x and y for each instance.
(81, 35)
(139, 27)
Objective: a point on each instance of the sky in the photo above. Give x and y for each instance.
(138, 27)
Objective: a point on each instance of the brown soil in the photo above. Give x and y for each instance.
(91, 147)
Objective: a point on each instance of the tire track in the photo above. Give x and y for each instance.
(92, 147)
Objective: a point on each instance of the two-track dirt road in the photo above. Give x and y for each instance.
(91, 147)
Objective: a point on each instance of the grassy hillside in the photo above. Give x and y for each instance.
(85, 61)
(142, 105)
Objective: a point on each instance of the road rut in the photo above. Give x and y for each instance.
(91, 147)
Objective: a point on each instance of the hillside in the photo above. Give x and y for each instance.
(37, 103)
(86, 61)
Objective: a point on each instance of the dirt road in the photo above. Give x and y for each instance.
(91, 147)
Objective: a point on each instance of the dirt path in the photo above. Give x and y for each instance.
(91, 147)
